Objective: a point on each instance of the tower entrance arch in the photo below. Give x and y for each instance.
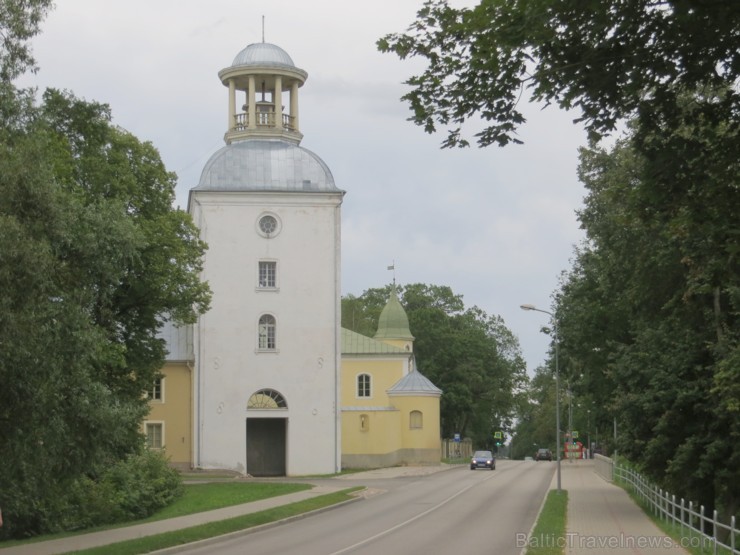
(267, 433)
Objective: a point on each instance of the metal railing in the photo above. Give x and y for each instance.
(704, 531)
(263, 119)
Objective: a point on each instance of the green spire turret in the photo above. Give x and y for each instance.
(393, 322)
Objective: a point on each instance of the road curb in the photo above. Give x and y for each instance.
(539, 512)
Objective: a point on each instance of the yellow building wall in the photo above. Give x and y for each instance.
(376, 431)
(385, 373)
(175, 412)
(428, 436)
(380, 435)
(377, 442)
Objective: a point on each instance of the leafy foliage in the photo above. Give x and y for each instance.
(93, 261)
(19, 21)
(535, 426)
(468, 354)
(610, 59)
(649, 314)
(133, 488)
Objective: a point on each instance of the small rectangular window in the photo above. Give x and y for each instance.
(267, 274)
(156, 392)
(154, 435)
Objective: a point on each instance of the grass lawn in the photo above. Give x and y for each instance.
(210, 530)
(208, 496)
(548, 536)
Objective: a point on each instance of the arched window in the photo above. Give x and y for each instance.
(416, 420)
(266, 333)
(267, 399)
(363, 385)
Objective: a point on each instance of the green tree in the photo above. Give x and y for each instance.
(19, 21)
(361, 314)
(650, 309)
(611, 60)
(468, 354)
(93, 261)
(648, 316)
(535, 418)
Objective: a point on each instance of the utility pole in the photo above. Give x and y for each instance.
(556, 339)
(570, 424)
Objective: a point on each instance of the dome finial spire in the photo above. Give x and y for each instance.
(393, 267)
(263, 28)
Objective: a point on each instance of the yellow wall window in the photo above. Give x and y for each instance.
(363, 385)
(416, 420)
(154, 435)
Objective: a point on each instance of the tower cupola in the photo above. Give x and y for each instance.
(259, 80)
(393, 324)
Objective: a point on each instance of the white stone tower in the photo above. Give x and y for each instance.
(267, 354)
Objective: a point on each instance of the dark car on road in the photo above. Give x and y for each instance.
(483, 459)
(543, 455)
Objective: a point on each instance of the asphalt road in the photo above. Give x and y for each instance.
(454, 511)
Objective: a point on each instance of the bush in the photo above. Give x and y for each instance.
(131, 489)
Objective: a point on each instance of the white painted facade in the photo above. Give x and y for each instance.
(267, 173)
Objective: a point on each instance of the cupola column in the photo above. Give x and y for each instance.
(232, 105)
(262, 75)
(251, 104)
(278, 102)
(294, 105)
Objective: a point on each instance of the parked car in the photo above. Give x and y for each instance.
(543, 455)
(483, 459)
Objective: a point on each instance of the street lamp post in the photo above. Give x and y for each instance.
(588, 431)
(557, 384)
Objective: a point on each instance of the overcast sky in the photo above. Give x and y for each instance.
(497, 225)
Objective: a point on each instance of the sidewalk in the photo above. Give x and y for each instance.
(603, 519)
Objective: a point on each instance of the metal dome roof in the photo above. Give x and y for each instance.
(414, 383)
(393, 322)
(263, 54)
(266, 165)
